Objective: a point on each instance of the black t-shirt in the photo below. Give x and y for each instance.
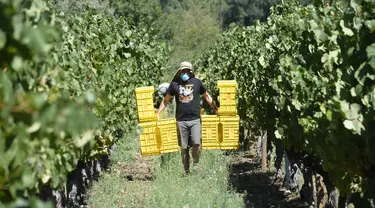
(187, 98)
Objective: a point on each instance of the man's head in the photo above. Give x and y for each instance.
(184, 72)
(185, 65)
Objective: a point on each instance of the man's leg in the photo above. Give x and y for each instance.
(184, 139)
(196, 138)
(196, 152)
(185, 159)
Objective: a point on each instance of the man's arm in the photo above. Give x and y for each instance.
(210, 101)
(164, 103)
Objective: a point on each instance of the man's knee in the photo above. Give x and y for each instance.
(184, 152)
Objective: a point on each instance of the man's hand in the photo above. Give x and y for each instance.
(163, 104)
(215, 107)
(210, 101)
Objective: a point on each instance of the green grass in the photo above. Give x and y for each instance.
(114, 190)
(170, 188)
(206, 189)
(126, 150)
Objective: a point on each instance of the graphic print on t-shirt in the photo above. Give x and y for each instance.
(186, 93)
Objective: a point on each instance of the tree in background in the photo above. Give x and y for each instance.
(244, 12)
(187, 33)
(186, 26)
(170, 6)
(140, 13)
(73, 6)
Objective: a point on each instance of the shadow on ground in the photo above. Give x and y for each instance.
(259, 187)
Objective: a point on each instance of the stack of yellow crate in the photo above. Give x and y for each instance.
(150, 144)
(145, 104)
(222, 131)
(229, 119)
(210, 129)
(167, 130)
(227, 97)
(158, 136)
(230, 132)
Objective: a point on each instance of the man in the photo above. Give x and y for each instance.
(187, 91)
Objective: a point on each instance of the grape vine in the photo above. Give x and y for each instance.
(66, 90)
(307, 76)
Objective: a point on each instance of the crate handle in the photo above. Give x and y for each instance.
(220, 132)
(158, 137)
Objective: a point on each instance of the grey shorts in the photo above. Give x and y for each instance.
(190, 133)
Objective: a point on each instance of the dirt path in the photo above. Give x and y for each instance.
(142, 169)
(144, 183)
(259, 187)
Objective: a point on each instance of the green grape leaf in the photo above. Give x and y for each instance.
(347, 31)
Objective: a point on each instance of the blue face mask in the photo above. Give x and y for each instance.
(184, 77)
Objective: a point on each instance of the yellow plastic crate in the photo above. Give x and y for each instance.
(210, 135)
(167, 132)
(150, 144)
(230, 132)
(145, 104)
(227, 97)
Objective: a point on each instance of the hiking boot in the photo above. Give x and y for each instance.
(187, 173)
(196, 168)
